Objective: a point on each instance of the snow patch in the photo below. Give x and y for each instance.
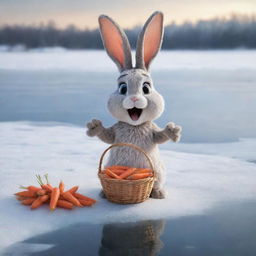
(195, 182)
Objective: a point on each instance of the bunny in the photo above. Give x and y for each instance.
(135, 103)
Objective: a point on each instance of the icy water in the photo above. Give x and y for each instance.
(227, 230)
(211, 94)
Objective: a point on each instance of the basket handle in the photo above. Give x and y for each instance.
(128, 145)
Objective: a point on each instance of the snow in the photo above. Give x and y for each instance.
(195, 182)
(61, 59)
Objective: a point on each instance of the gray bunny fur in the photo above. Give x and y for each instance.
(138, 129)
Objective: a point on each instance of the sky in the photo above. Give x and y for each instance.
(128, 13)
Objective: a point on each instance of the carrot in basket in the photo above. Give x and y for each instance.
(85, 202)
(138, 176)
(39, 201)
(69, 197)
(62, 187)
(117, 167)
(54, 198)
(26, 194)
(28, 201)
(127, 173)
(116, 171)
(64, 204)
(143, 170)
(112, 175)
(82, 197)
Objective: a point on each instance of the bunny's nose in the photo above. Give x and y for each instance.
(134, 99)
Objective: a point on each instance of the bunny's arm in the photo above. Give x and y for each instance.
(170, 132)
(95, 128)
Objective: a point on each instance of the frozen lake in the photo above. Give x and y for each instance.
(212, 94)
(47, 96)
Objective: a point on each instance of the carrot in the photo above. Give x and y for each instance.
(28, 201)
(85, 202)
(62, 187)
(41, 192)
(112, 175)
(39, 201)
(117, 167)
(54, 198)
(143, 170)
(64, 204)
(138, 176)
(30, 188)
(26, 194)
(82, 197)
(127, 173)
(47, 181)
(73, 190)
(47, 187)
(20, 198)
(117, 172)
(69, 197)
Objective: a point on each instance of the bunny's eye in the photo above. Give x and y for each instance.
(123, 88)
(146, 88)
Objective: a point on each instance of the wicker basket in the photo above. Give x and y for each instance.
(126, 191)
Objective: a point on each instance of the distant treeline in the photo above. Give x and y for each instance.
(219, 33)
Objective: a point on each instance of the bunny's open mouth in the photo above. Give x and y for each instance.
(134, 113)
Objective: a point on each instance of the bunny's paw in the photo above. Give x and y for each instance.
(158, 193)
(94, 127)
(173, 131)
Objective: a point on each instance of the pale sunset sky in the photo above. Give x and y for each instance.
(128, 13)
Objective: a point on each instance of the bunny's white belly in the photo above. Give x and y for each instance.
(141, 136)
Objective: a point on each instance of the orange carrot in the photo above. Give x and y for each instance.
(31, 188)
(112, 175)
(28, 201)
(62, 187)
(39, 201)
(117, 172)
(69, 197)
(73, 190)
(26, 194)
(82, 197)
(47, 181)
(54, 198)
(138, 176)
(143, 170)
(127, 173)
(117, 167)
(85, 202)
(41, 192)
(47, 187)
(20, 198)
(64, 204)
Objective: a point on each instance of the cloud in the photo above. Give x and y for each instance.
(126, 12)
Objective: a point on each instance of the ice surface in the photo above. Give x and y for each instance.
(44, 59)
(195, 182)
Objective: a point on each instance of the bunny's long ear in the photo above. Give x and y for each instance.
(149, 41)
(115, 43)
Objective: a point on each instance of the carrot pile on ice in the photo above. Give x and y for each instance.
(128, 173)
(55, 196)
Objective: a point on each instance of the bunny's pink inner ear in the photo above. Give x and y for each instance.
(153, 38)
(113, 41)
